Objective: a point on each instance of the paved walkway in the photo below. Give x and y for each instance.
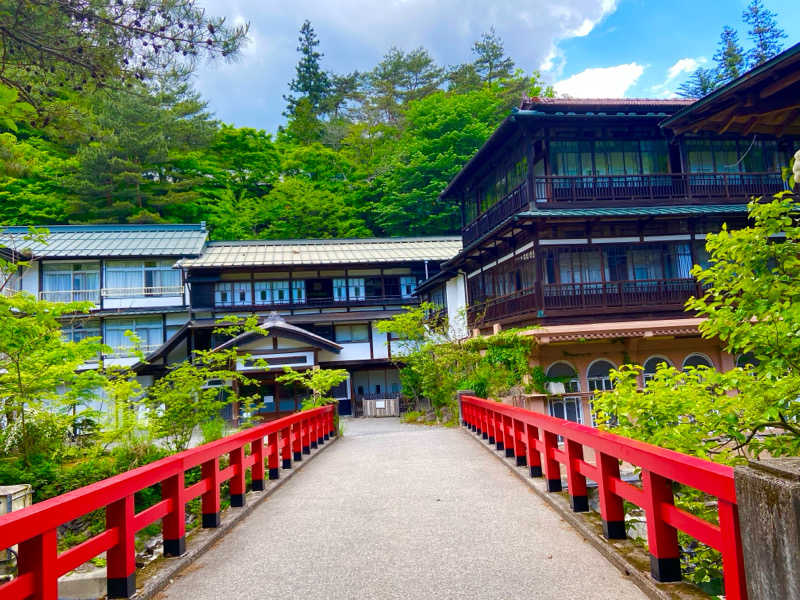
(403, 511)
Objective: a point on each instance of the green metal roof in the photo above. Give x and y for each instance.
(253, 253)
(621, 211)
(97, 241)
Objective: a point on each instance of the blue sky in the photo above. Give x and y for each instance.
(586, 48)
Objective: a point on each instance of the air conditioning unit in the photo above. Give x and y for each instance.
(554, 387)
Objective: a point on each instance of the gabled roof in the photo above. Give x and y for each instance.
(97, 241)
(267, 253)
(277, 326)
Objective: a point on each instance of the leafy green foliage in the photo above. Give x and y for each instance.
(318, 381)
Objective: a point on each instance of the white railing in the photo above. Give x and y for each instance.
(123, 351)
(165, 290)
(70, 295)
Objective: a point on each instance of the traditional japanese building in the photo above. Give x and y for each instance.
(319, 301)
(584, 218)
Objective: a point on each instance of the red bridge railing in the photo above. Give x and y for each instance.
(532, 438)
(35, 528)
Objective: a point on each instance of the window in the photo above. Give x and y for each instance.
(408, 285)
(142, 278)
(241, 293)
(149, 330)
(340, 290)
(81, 330)
(263, 292)
(697, 360)
(223, 294)
(299, 291)
(598, 376)
(736, 156)
(352, 333)
(374, 287)
(70, 282)
(747, 359)
(651, 366)
(564, 373)
(356, 288)
(280, 292)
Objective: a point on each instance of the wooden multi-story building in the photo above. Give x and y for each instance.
(584, 218)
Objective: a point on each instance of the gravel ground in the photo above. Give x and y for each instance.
(403, 511)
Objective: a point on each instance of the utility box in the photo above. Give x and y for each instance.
(13, 497)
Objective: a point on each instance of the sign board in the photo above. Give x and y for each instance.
(380, 404)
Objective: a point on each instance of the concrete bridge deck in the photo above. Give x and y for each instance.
(402, 511)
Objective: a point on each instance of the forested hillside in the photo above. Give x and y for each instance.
(106, 128)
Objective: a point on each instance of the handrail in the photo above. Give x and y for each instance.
(532, 438)
(136, 292)
(35, 528)
(70, 295)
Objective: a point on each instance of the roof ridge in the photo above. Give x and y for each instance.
(338, 241)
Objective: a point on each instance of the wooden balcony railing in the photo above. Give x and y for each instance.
(137, 292)
(625, 190)
(70, 296)
(579, 297)
(323, 302)
(516, 201)
(660, 188)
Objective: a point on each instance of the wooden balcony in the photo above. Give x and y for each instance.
(597, 191)
(676, 188)
(326, 302)
(517, 201)
(567, 299)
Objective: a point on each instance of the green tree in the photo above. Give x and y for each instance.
(764, 33)
(399, 78)
(41, 383)
(491, 63)
(310, 81)
(180, 401)
(80, 46)
(703, 81)
(319, 381)
(729, 58)
(443, 130)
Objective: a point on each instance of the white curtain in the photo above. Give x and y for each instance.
(124, 275)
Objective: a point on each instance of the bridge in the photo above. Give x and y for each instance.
(391, 511)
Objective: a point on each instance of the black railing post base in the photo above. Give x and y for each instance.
(665, 569)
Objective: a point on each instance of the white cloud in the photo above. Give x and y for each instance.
(601, 82)
(354, 34)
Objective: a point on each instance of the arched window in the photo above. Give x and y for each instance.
(698, 360)
(597, 376)
(651, 366)
(564, 372)
(565, 406)
(747, 359)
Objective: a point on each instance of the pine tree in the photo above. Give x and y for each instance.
(703, 81)
(492, 64)
(310, 80)
(729, 58)
(764, 33)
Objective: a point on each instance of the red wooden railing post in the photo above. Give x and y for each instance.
(210, 499)
(237, 489)
(174, 523)
(491, 425)
(305, 433)
(313, 431)
(272, 443)
(121, 558)
(552, 471)
(612, 509)
(329, 421)
(321, 420)
(38, 557)
(286, 447)
(576, 482)
(534, 458)
(732, 555)
(519, 443)
(508, 432)
(665, 562)
(499, 431)
(257, 471)
(297, 453)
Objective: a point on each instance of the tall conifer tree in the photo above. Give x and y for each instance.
(310, 81)
(764, 33)
(729, 58)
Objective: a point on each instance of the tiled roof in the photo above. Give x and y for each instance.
(324, 252)
(691, 209)
(95, 241)
(532, 103)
